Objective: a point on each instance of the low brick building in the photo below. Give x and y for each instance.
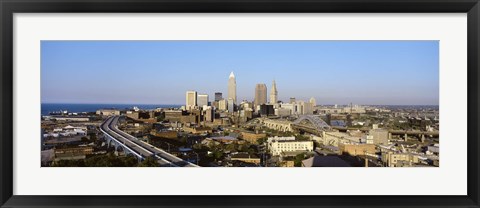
(251, 136)
(357, 149)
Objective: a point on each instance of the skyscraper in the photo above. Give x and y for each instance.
(232, 88)
(313, 101)
(260, 94)
(202, 99)
(273, 94)
(191, 99)
(218, 96)
(230, 105)
(223, 104)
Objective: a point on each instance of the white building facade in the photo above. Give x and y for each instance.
(279, 145)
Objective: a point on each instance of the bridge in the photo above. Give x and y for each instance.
(393, 132)
(254, 122)
(279, 125)
(312, 124)
(131, 145)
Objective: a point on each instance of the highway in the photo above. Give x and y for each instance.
(396, 132)
(144, 149)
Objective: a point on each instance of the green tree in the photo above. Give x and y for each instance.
(298, 159)
(69, 163)
(110, 160)
(93, 137)
(243, 148)
(161, 117)
(218, 155)
(183, 139)
(302, 137)
(251, 151)
(262, 140)
(197, 146)
(231, 147)
(215, 154)
(130, 161)
(85, 139)
(149, 162)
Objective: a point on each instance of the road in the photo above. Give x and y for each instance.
(140, 147)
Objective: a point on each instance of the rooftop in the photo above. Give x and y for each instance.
(224, 138)
(325, 161)
(243, 155)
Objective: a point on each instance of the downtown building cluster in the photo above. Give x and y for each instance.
(245, 109)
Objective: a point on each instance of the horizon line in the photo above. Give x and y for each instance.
(266, 103)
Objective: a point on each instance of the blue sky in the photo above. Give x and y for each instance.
(159, 72)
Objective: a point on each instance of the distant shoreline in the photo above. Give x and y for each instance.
(47, 108)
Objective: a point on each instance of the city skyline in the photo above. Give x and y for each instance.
(160, 72)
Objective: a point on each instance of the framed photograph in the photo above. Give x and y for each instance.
(265, 103)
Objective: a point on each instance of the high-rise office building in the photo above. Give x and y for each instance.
(232, 88)
(313, 101)
(191, 99)
(223, 104)
(260, 94)
(218, 96)
(202, 99)
(273, 94)
(231, 106)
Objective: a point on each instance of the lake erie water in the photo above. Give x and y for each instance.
(78, 108)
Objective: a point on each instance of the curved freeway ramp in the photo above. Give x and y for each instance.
(141, 148)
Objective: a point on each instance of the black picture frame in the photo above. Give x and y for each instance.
(9, 7)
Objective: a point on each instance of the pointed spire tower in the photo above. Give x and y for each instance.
(232, 88)
(273, 93)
